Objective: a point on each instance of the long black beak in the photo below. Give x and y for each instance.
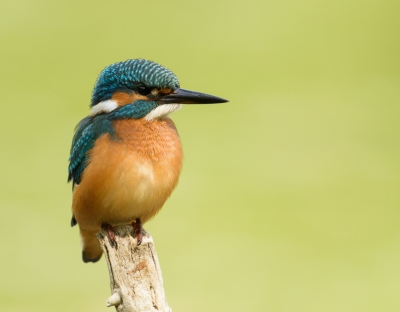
(182, 96)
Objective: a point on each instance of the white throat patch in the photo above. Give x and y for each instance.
(162, 111)
(104, 107)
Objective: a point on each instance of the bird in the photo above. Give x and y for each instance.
(126, 155)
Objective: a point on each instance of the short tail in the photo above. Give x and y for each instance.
(91, 250)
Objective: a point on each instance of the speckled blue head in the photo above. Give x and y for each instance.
(128, 75)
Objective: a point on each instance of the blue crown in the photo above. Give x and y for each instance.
(128, 75)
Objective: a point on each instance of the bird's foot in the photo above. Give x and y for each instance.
(137, 231)
(110, 233)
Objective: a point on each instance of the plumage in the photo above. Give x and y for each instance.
(126, 157)
(127, 75)
(130, 177)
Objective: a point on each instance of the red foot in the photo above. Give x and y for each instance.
(137, 231)
(110, 233)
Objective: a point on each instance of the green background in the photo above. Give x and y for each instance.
(289, 196)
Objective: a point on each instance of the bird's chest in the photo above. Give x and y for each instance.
(141, 142)
(129, 175)
(146, 157)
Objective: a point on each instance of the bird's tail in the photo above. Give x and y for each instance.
(91, 250)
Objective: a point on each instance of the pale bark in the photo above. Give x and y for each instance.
(135, 274)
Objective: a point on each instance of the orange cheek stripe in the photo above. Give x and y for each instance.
(164, 91)
(124, 98)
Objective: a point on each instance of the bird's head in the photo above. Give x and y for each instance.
(139, 88)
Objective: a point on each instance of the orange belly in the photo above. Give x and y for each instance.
(131, 177)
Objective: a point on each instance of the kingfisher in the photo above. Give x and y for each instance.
(126, 156)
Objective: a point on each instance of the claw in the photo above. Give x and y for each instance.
(110, 233)
(137, 231)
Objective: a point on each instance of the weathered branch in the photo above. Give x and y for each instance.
(135, 274)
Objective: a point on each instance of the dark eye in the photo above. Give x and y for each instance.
(143, 90)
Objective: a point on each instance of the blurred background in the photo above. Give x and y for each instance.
(289, 196)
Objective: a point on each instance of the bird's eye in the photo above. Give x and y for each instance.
(143, 90)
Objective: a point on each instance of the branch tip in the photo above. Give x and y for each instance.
(114, 300)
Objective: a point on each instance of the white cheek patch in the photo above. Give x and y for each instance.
(162, 111)
(104, 107)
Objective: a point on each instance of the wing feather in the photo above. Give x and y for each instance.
(87, 132)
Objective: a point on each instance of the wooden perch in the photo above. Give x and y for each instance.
(135, 274)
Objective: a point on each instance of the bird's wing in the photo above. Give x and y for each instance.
(87, 132)
(82, 143)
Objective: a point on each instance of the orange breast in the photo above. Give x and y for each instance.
(131, 177)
